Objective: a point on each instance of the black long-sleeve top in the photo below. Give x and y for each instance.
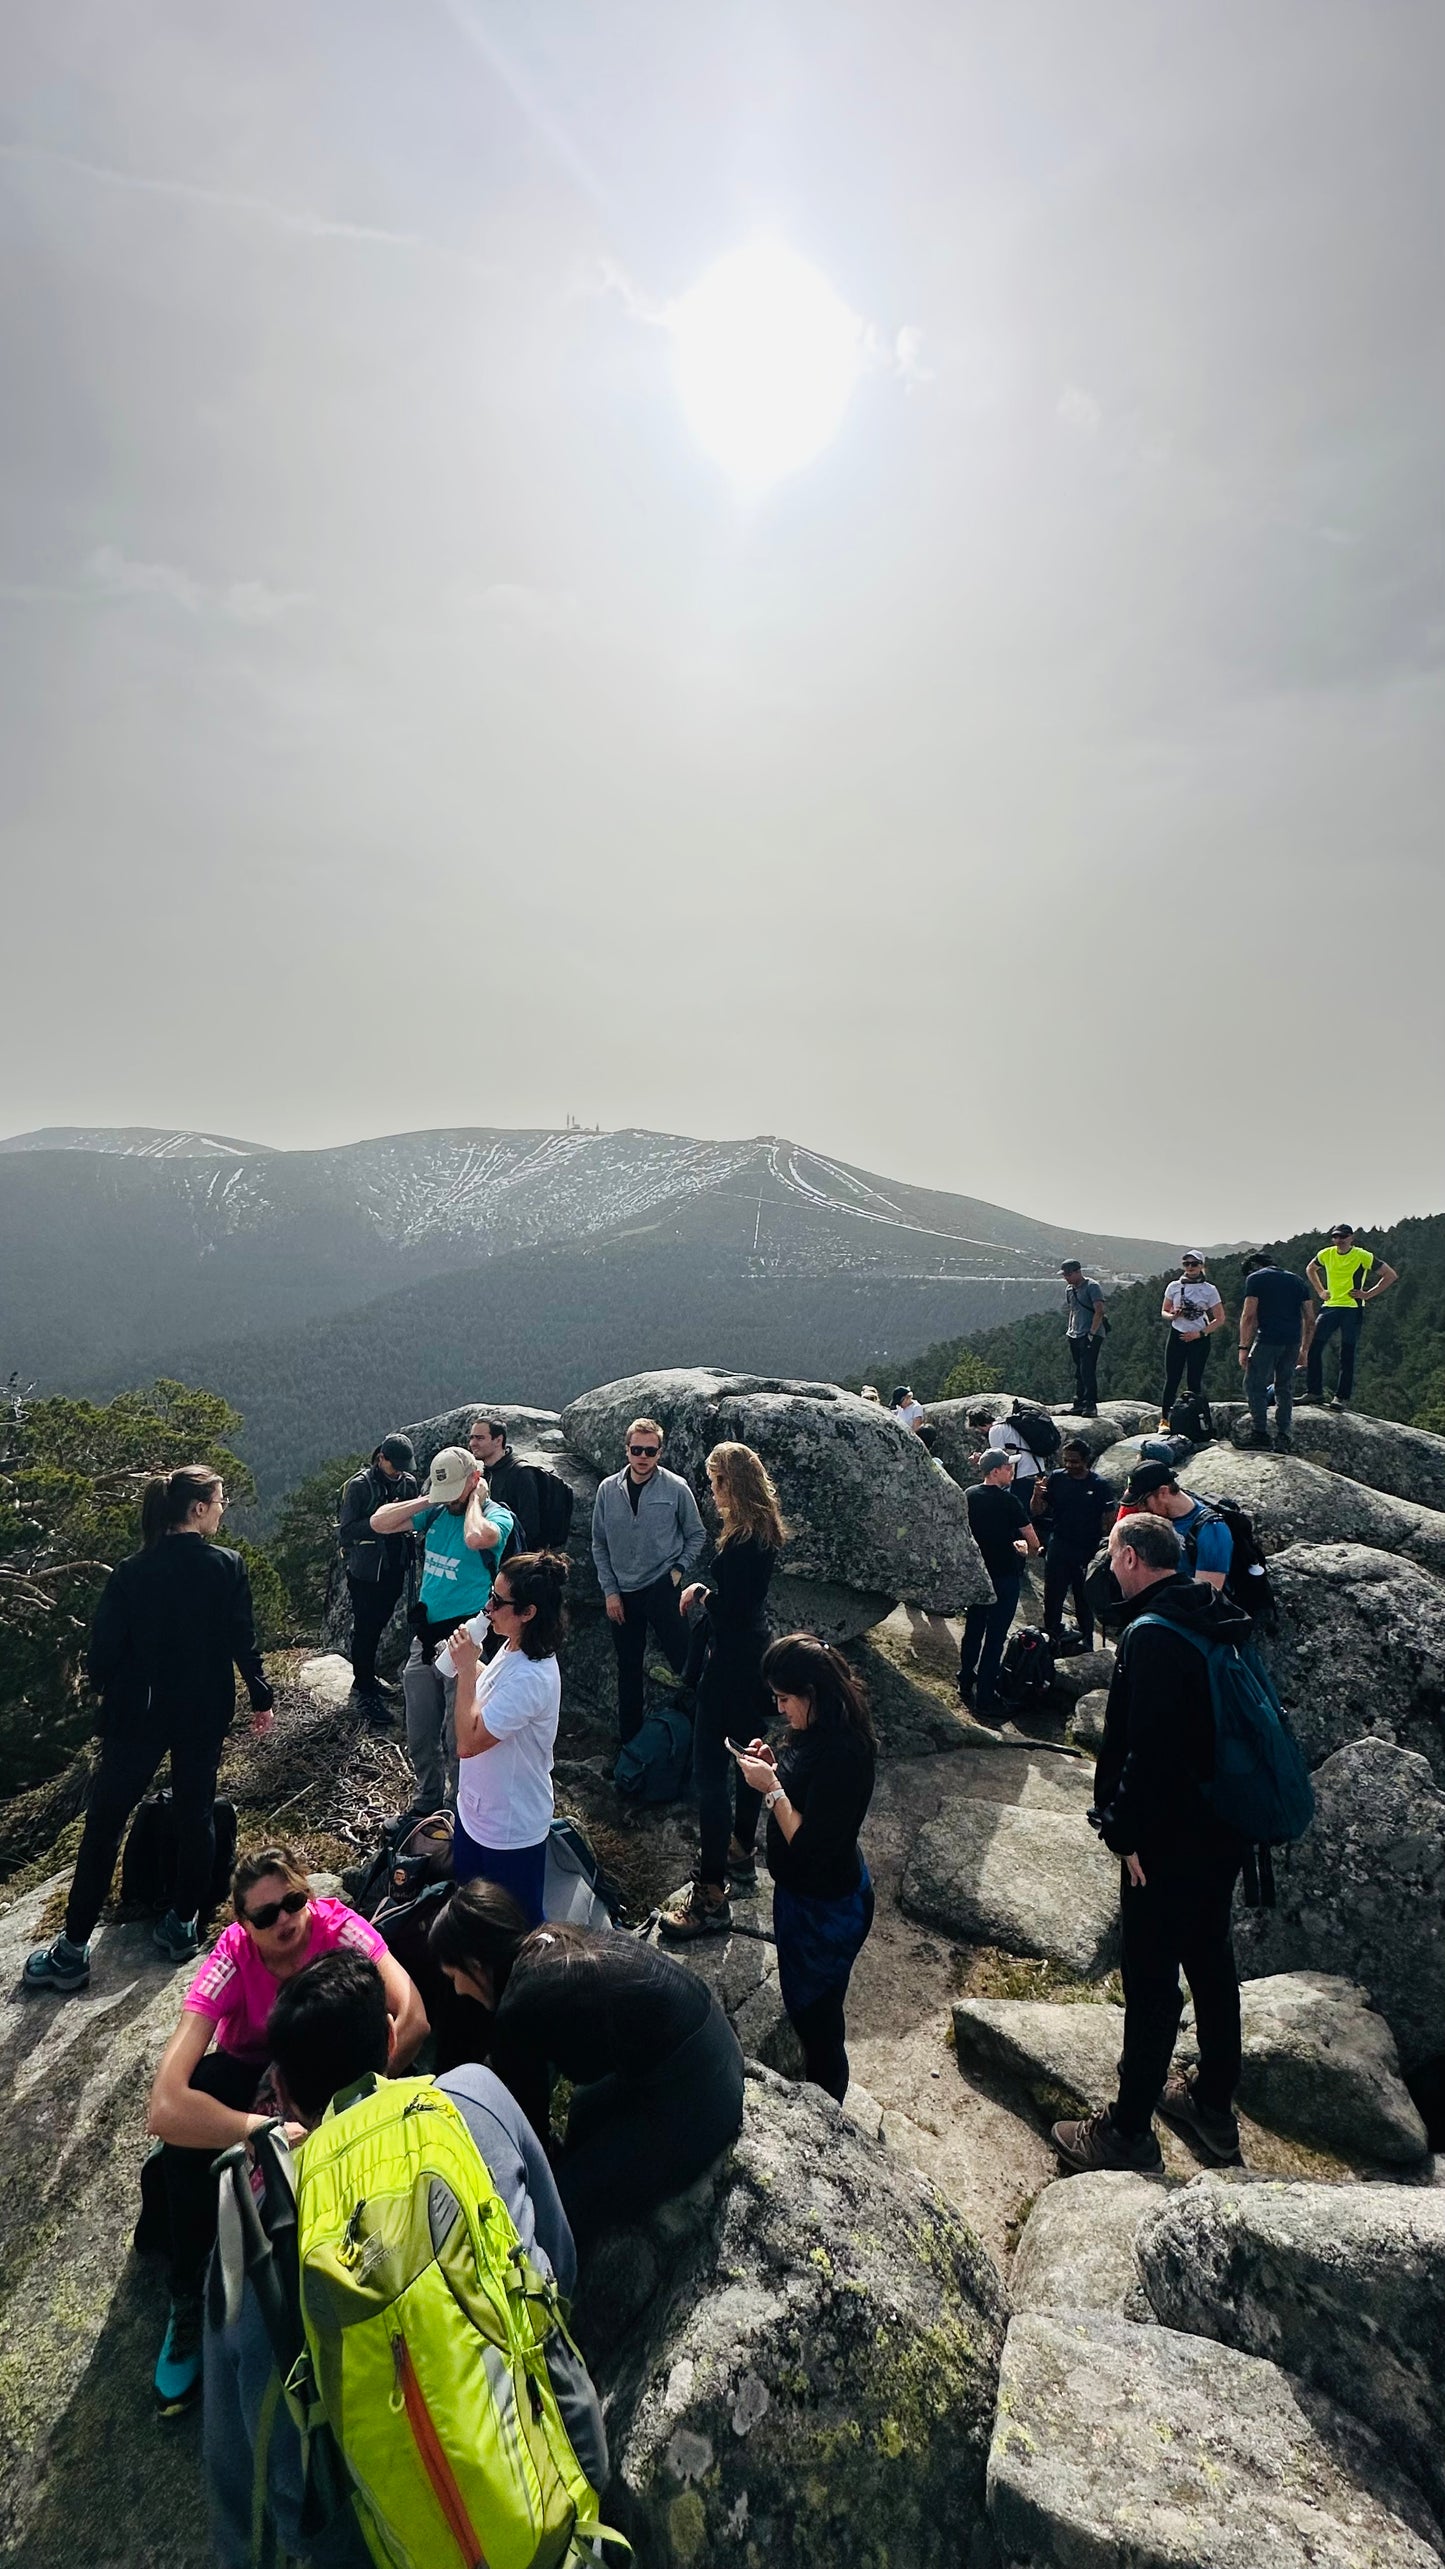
(827, 1774)
(588, 2005)
(738, 1596)
(171, 1623)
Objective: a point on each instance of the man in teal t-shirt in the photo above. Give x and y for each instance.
(463, 1535)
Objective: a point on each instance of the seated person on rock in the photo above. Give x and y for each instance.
(331, 2027)
(1178, 1863)
(655, 2067)
(204, 2096)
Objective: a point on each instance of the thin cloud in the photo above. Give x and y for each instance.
(185, 191)
(110, 575)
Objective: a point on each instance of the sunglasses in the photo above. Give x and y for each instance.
(293, 1902)
(500, 1605)
(644, 1449)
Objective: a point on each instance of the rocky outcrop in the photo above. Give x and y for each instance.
(1358, 1648)
(868, 1510)
(1365, 1887)
(1403, 1462)
(955, 1442)
(1030, 1881)
(1319, 2063)
(79, 2321)
(1344, 2285)
(1296, 1502)
(1064, 2055)
(1076, 2249)
(799, 2359)
(1121, 2447)
(1086, 1721)
(451, 1426)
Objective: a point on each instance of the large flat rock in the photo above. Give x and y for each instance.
(1319, 2063)
(1358, 1647)
(955, 1442)
(1292, 1501)
(1364, 1893)
(798, 2361)
(741, 1970)
(1135, 2448)
(1345, 2285)
(867, 1507)
(1403, 1462)
(1032, 1881)
(1076, 2249)
(1065, 2056)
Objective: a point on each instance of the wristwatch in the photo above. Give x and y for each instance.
(777, 1795)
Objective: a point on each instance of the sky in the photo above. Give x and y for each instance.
(405, 719)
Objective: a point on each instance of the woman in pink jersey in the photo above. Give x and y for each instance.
(204, 2098)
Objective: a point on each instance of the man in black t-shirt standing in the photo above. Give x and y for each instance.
(1004, 1536)
(1072, 1506)
(1275, 1329)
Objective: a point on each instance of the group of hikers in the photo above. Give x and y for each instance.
(301, 2027)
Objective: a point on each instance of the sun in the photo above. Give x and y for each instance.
(766, 358)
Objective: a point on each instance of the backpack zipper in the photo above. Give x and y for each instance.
(433, 2458)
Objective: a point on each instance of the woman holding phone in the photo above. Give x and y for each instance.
(816, 1795)
(725, 1664)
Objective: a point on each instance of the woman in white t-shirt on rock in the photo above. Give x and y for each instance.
(1194, 1309)
(506, 1717)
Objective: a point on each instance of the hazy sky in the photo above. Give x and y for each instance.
(403, 719)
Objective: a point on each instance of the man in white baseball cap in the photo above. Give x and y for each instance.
(463, 1533)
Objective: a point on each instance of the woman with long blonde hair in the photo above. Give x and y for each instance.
(730, 1638)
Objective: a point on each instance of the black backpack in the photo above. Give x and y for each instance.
(148, 1867)
(1246, 1582)
(1039, 1432)
(1028, 1668)
(554, 1509)
(1192, 1416)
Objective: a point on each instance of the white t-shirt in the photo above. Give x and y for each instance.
(1191, 1304)
(1005, 1439)
(908, 1413)
(504, 1794)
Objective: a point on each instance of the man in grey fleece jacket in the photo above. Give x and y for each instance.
(646, 1535)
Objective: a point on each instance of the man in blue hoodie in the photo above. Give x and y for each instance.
(1178, 1863)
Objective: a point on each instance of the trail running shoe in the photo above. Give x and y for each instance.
(1218, 2132)
(62, 1968)
(1097, 2143)
(178, 2365)
(704, 1912)
(176, 1937)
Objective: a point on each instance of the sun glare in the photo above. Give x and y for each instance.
(766, 356)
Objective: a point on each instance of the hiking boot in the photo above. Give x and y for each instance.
(1098, 2143)
(178, 2365)
(62, 1968)
(176, 1937)
(1218, 2132)
(1282, 1444)
(1337, 1403)
(1252, 1437)
(704, 1911)
(742, 1867)
(966, 1692)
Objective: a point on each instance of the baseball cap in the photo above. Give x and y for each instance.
(398, 1450)
(1337, 1227)
(450, 1472)
(1071, 1266)
(1146, 1478)
(1191, 1257)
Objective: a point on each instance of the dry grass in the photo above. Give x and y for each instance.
(984, 1971)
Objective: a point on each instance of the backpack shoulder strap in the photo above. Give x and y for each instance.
(1162, 1623)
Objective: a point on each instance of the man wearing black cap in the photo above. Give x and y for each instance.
(376, 1564)
(1085, 1323)
(1338, 1273)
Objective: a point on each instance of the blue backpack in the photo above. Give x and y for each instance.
(656, 1763)
(1261, 1784)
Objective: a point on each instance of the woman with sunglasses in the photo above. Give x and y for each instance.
(1194, 1309)
(506, 1718)
(204, 2096)
(816, 1795)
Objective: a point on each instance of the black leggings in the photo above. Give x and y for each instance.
(820, 2029)
(632, 2142)
(1185, 1361)
(126, 1766)
(190, 2188)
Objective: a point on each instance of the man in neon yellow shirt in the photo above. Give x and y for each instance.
(1339, 1275)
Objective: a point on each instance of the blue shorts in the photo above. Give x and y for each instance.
(522, 1870)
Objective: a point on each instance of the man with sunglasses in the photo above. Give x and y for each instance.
(1338, 1274)
(646, 1535)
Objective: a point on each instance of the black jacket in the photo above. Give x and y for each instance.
(827, 1774)
(514, 1485)
(169, 1625)
(371, 1556)
(1158, 1743)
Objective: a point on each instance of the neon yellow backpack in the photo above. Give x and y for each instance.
(426, 2332)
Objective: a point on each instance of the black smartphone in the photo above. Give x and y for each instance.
(737, 1748)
